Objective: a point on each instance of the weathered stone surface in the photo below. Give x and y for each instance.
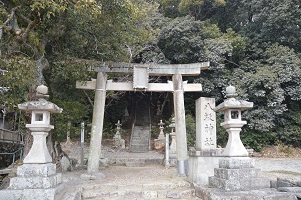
(18, 183)
(153, 161)
(281, 182)
(205, 124)
(65, 164)
(284, 184)
(103, 162)
(289, 189)
(230, 174)
(201, 168)
(149, 194)
(32, 170)
(87, 176)
(262, 194)
(136, 163)
(236, 163)
(140, 139)
(239, 184)
(159, 143)
(207, 153)
(33, 194)
(179, 194)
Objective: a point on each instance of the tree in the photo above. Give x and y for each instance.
(200, 9)
(36, 35)
(264, 22)
(273, 84)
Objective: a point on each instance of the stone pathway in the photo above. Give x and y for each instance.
(153, 180)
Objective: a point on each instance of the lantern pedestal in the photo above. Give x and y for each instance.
(39, 152)
(234, 147)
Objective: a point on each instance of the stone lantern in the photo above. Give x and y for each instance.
(236, 171)
(37, 177)
(39, 126)
(232, 109)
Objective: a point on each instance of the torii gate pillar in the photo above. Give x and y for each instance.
(182, 154)
(97, 123)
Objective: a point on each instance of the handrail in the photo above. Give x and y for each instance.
(14, 154)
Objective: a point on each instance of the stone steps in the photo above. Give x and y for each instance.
(140, 139)
(139, 161)
(181, 190)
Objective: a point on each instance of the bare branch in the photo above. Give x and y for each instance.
(89, 99)
(25, 18)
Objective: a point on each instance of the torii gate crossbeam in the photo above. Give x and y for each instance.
(140, 83)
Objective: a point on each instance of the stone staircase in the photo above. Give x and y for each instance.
(167, 190)
(140, 139)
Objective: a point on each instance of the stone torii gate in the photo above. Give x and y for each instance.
(141, 73)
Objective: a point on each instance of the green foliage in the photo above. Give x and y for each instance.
(256, 140)
(221, 133)
(190, 130)
(170, 8)
(196, 8)
(73, 112)
(181, 40)
(271, 83)
(199, 9)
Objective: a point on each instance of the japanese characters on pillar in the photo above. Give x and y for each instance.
(205, 124)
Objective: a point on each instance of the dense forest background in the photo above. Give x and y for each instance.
(254, 45)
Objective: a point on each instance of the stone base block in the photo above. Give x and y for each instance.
(230, 174)
(236, 163)
(239, 184)
(173, 162)
(207, 153)
(34, 194)
(201, 168)
(19, 183)
(159, 143)
(262, 194)
(33, 170)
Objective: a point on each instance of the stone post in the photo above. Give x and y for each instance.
(205, 124)
(182, 153)
(204, 158)
(167, 150)
(97, 123)
(82, 144)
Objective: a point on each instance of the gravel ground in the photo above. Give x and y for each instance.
(273, 168)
